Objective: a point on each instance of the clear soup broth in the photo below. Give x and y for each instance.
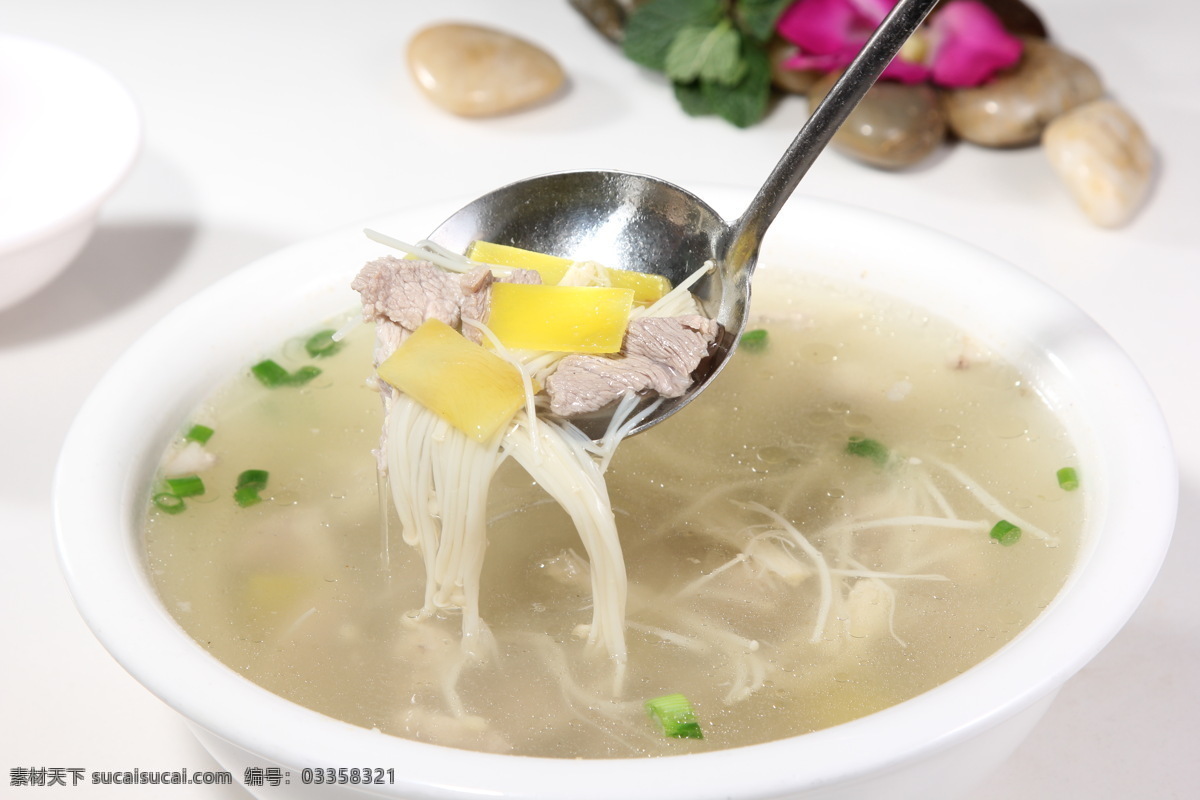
(784, 575)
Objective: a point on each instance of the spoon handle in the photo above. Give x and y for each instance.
(746, 233)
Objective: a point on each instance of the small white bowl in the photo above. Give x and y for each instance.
(936, 745)
(69, 136)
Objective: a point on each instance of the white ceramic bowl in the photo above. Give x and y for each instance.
(70, 134)
(935, 745)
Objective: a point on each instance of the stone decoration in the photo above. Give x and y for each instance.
(607, 16)
(1049, 96)
(895, 125)
(1104, 158)
(475, 71)
(1014, 107)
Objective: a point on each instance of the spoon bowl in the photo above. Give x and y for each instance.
(636, 222)
(622, 220)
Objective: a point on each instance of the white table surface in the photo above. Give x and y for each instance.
(268, 122)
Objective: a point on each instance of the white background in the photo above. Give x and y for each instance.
(269, 122)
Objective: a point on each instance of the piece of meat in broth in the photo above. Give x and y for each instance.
(659, 354)
(405, 293)
(399, 295)
(477, 296)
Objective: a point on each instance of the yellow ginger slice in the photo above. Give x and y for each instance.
(647, 288)
(473, 389)
(571, 319)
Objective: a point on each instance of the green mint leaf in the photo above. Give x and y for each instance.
(685, 56)
(758, 17)
(692, 99)
(711, 53)
(652, 28)
(723, 63)
(745, 102)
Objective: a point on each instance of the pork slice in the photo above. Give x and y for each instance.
(659, 354)
(399, 295)
(584, 383)
(408, 292)
(679, 344)
(529, 277)
(476, 286)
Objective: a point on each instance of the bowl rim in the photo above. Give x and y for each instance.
(123, 113)
(94, 514)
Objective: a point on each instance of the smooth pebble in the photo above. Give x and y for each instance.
(1104, 158)
(894, 126)
(475, 71)
(1015, 106)
(607, 16)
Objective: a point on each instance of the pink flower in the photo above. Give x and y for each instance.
(963, 44)
(970, 44)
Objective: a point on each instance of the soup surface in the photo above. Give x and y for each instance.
(784, 575)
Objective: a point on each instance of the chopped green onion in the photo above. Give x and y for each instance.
(868, 448)
(322, 344)
(246, 496)
(754, 340)
(199, 433)
(249, 484)
(1006, 533)
(253, 479)
(303, 375)
(675, 714)
(271, 375)
(1068, 479)
(169, 503)
(188, 486)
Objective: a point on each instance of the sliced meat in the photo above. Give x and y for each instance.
(678, 343)
(476, 281)
(408, 292)
(399, 294)
(659, 354)
(527, 276)
(476, 286)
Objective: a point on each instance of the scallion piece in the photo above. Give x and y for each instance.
(246, 496)
(868, 448)
(1005, 533)
(303, 375)
(754, 340)
(322, 344)
(271, 375)
(188, 486)
(253, 478)
(676, 716)
(1068, 479)
(168, 503)
(199, 434)
(249, 484)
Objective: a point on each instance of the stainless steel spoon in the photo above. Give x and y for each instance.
(640, 223)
